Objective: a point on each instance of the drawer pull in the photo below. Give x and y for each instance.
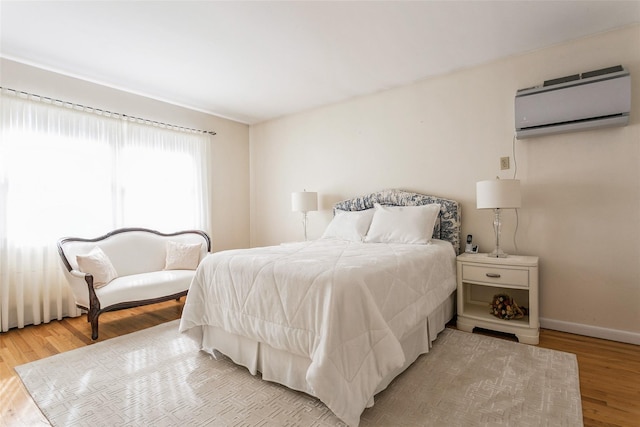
(493, 275)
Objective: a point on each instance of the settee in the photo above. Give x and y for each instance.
(130, 267)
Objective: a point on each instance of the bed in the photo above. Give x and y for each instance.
(338, 317)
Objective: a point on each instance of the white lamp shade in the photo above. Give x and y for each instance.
(304, 201)
(498, 193)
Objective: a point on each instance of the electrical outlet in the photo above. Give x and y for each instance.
(504, 163)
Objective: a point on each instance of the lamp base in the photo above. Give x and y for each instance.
(304, 224)
(497, 226)
(497, 253)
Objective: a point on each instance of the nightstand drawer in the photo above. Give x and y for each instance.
(496, 275)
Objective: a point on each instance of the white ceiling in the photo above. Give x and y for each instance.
(252, 61)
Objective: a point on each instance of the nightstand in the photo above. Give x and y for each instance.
(480, 277)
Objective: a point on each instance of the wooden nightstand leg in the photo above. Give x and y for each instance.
(464, 325)
(528, 337)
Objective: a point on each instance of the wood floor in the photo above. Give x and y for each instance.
(609, 371)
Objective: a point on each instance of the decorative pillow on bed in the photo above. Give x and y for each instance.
(349, 225)
(403, 224)
(98, 264)
(182, 256)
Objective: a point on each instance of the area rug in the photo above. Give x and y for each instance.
(158, 377)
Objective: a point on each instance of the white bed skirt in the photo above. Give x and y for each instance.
(290, 369)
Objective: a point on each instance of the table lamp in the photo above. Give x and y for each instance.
(498, 194)
(304, 201)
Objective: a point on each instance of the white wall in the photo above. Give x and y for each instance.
(230, 154)
(581, 191)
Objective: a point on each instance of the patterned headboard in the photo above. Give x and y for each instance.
(447, 228)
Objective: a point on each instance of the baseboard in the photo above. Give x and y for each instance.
(591, 331)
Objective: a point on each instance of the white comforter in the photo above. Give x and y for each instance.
(343, 305)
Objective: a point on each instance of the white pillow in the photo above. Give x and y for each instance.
(98, 264)
(403, 224)
(182, 256)
(349, 225)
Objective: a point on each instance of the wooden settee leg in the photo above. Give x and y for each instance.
(93, 318)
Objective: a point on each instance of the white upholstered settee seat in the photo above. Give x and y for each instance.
(144, 286)
(138, 256)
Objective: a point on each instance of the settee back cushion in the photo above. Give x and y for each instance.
(133, 252)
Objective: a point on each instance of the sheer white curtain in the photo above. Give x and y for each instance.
(65, 172)
(162, 179)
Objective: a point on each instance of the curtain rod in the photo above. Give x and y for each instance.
(74, 106)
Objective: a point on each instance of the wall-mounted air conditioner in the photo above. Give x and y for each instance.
(591, 100)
